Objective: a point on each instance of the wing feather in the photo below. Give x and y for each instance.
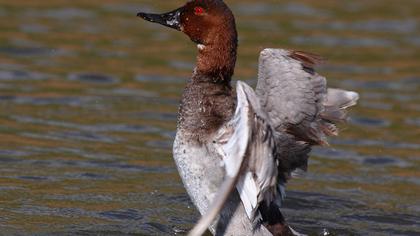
(270, 156)
(258, 178)
(296, 98)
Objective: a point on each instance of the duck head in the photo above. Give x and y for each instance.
(211, 25)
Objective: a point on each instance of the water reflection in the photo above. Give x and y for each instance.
(93, 78)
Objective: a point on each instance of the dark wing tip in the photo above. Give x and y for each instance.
(308, 60)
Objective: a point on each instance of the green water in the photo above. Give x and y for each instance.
(88, 103)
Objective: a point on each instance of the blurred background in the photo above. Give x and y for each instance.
(89, 95)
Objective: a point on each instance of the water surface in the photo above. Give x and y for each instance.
(89, 95)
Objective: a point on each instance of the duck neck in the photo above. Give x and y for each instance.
(208, 100)
(217, 58)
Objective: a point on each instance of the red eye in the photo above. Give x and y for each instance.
(199, 11)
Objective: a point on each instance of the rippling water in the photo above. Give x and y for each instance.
(89, 95)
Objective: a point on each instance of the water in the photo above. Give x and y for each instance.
(89, 95)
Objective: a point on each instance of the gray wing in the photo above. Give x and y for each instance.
(296, 98)
(265, 157)
(272, 130)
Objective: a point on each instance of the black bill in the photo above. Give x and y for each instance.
(171, 19)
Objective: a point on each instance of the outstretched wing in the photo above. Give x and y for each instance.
(296, 98)
(265, 160)
(293, 110)
(258, 178)
(272, 131)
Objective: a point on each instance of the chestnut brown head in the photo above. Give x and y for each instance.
(201, 20)
(210, 24)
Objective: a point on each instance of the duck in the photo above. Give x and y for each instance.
(235, 149)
